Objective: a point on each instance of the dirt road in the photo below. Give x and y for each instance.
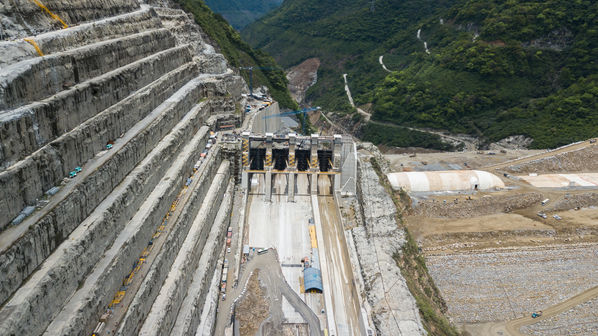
(511, 328)
(470, 143)
(381, 61)
(560, 150)
(276, 286)
(365, 115)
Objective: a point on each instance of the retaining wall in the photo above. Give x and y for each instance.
(45, 168)
(149, 289)
(29, 127)
(25, 254)
(40, 77)
(166, 306)
(83, 311)
(33, 305)
(188, 317)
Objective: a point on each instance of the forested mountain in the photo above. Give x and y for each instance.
(491, 68)
(239, 53)
(240, 13)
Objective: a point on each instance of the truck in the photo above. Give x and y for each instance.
(228, 242)
(544, 202)
(229, 234)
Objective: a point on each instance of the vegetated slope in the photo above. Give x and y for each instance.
(494, 68)
(240, 13)
(239, 53)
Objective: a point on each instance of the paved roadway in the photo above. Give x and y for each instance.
(342, 283)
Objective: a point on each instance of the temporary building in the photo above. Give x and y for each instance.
(449, 180)
(312, 279)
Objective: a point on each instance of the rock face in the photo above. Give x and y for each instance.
(393, 307)
(125, 97)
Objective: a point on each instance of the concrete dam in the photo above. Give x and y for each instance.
(143, 192)
(115, 198)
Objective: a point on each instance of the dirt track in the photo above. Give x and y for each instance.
(511, 328)
(560, 150)
(514, 326)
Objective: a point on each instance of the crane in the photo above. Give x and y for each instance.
(250, 68)
(289, 113)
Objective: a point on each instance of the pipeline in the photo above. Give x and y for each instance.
(34, 44)
(54, 16)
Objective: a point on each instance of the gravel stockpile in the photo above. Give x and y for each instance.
(498, 285)
(579, 320)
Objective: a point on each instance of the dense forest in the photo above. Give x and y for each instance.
(491, 68)
(239, 53)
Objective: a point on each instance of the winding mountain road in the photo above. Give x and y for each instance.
(365, 115)
(381, 60)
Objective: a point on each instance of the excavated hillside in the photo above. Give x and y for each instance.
(112, 210)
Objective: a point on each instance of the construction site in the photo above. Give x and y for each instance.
(146, 190)
(510, 236)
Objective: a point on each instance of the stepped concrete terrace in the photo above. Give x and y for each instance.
(118, 93)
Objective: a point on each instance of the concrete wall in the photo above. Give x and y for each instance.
(164, 311)
(149, 289)
(42, 238)
(41, 77)
(23, 18)
(394, 309)
(33, 305)
(270, 125)
(348, 167)
(28, 128)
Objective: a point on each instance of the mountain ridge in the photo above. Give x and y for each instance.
(494, 68)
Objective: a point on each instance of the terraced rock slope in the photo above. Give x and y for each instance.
(125, 94)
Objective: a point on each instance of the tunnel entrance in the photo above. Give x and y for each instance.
(324, 160)
(257, 156)
(280, 156)
(302, 157)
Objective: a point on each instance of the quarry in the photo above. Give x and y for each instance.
(144, 191)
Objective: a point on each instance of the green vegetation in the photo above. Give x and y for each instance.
(240, 54)
(402, 137)
(495, 68)
(413, 268)
(240, 13)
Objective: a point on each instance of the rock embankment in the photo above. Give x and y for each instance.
(575, 201)
(476, 207)
(580, 160)
(393, 306)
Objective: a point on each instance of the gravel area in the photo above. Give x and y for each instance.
(495, 285)
(579, 320)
